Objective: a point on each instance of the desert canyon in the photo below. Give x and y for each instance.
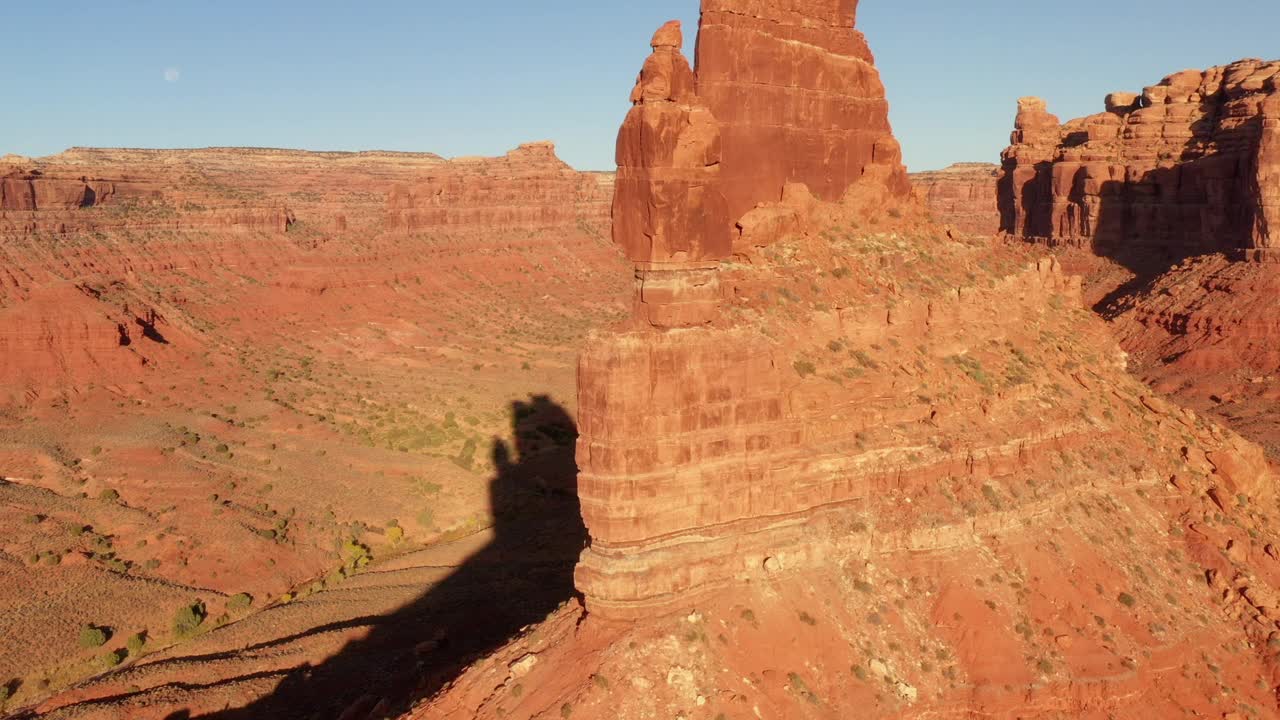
(759, 426)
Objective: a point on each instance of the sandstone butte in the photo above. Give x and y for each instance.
(1186, 166)
(847, 464)
(1171, 187)
(962, 196)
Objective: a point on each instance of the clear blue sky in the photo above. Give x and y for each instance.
(460, 78)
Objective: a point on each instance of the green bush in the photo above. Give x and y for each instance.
(92, 636)
(188, 619)
(136, 642)
(109, 495)
(239, 602)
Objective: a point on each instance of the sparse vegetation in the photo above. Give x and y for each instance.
(136, 642)
(92, 636)
(188, 619)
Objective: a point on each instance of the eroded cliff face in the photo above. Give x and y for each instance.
(1185, 167)
(529, 188)
(962, 197)
(796, 91)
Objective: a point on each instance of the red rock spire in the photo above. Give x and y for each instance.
(669, 215)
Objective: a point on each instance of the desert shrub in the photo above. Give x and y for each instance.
(92, 636)
(109, 495)
(804, 368)
(466, 456)
(395, 534)
(188, 619)
(865, 360)
(354, 553)
(112, 659)
(136, 642)
(427, 518)
(1126, 599)
(239, 602)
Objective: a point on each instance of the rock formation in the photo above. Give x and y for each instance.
(1265, 188)
(669, 214)
(962, 196)
(1183, 168)
(529, 188)
(799, 99)
(896, 475)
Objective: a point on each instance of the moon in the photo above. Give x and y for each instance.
(172, 75)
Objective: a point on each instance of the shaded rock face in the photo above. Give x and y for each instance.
(962, 196)
(798, 96)
(1188, 166)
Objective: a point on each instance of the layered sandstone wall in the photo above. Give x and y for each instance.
(528, 188)
(1183, 167)
(962, 196)
(796, 91)
(683, 412)
(104, 250)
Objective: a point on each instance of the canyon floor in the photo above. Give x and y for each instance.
(241, 412)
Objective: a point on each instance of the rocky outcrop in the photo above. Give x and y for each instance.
(31, 191)
(528, 188)
(962, 196)
(1183, 168)
(669, 213)
(1265, 188)
(796, 91)
(681, 413)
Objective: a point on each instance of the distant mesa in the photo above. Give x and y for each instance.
(962, 196)
(1189, 165)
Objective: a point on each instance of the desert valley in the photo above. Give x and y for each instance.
(758, 426)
